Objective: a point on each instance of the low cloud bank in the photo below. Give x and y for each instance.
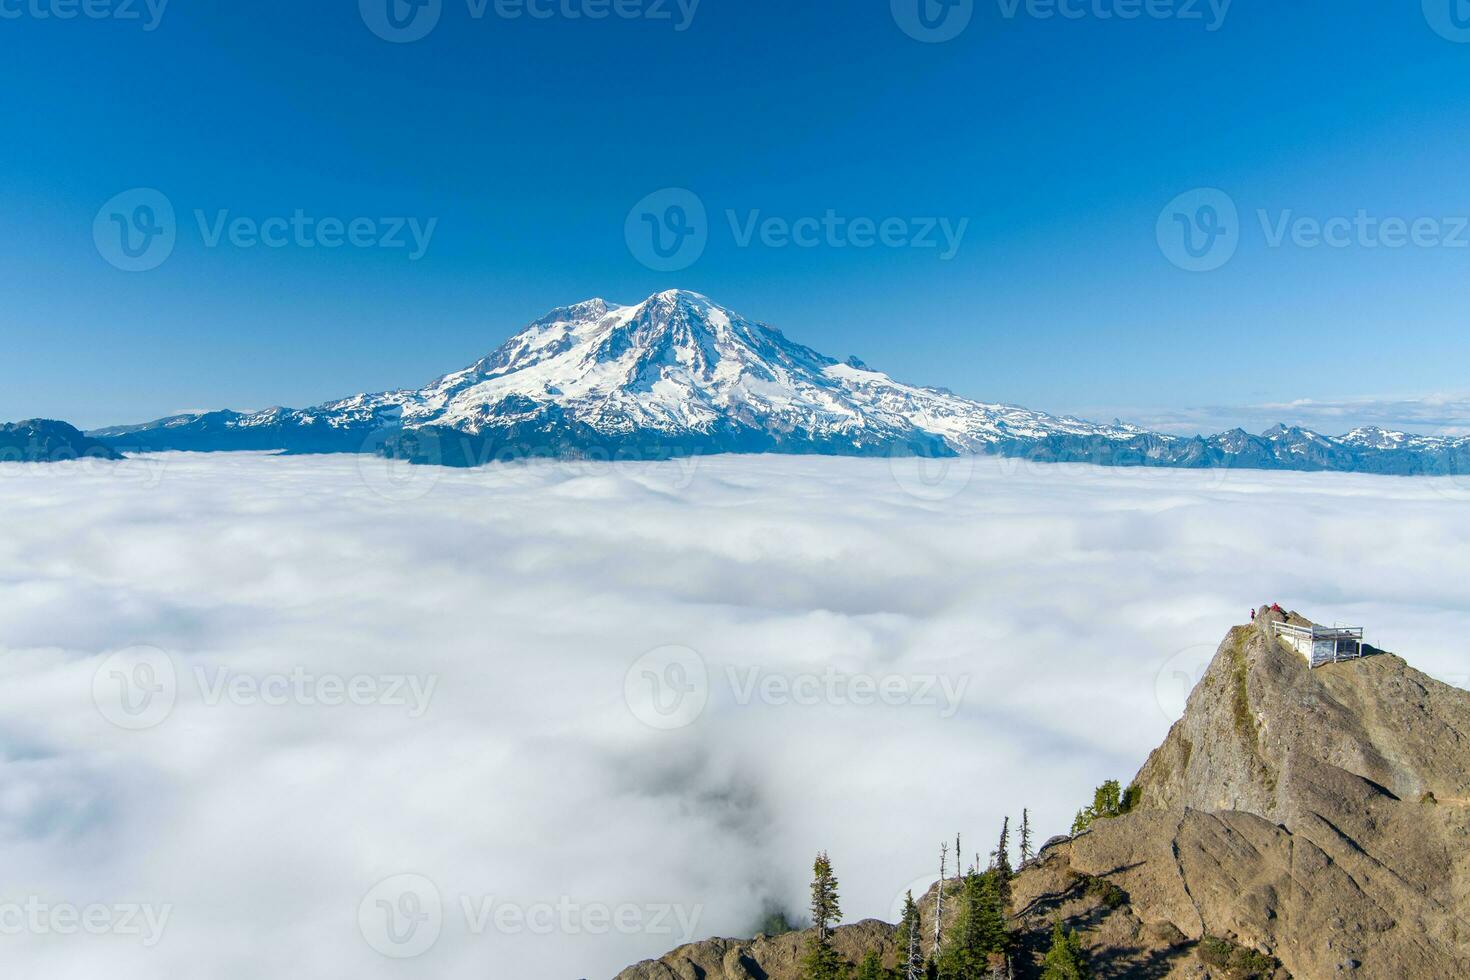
(318, 717)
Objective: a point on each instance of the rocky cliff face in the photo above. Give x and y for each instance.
(1361, 772)
(1294, 823)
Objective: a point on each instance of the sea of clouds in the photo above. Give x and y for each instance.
(327, 717)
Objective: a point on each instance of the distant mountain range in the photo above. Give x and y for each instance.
(679, 375)
(45, 441)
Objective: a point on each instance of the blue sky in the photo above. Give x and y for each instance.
(523, 142)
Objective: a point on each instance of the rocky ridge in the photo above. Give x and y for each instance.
(1294, 823)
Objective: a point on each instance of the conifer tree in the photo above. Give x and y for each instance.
(910, 958)
(871, 967)
(958, 960)
(1108, 801)
(1064, 961)
(994, 896)
(1003, 870)
(1026, 853)
(826, 905)
(979, 932)
(821, 961)
(1003, 851)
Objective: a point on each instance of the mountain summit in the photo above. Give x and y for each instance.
(672, 375)
(678, 374)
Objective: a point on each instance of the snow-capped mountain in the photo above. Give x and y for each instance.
(675, 369)
(680, 365)
(679, 374)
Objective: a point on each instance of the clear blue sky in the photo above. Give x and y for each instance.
(529, 140)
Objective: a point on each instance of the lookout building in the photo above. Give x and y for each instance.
(1321, 644)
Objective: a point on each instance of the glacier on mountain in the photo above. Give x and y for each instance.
(677, 374)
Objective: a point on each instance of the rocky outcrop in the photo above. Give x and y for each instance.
(761, 958)
(1294, 823)
(1338, 809)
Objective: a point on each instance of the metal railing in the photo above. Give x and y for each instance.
(1322, 644)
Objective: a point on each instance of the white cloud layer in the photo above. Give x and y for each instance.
(1067, 604)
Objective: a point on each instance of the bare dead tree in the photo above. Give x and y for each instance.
(939, 901)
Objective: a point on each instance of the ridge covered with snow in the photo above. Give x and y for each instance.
(679, 374)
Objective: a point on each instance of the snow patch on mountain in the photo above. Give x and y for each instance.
(678, 374)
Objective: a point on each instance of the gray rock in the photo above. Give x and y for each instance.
(1310, 823)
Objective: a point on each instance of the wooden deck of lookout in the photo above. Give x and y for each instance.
(1322, 644)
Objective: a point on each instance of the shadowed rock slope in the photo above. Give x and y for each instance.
(1318, 818)
(48, 441)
